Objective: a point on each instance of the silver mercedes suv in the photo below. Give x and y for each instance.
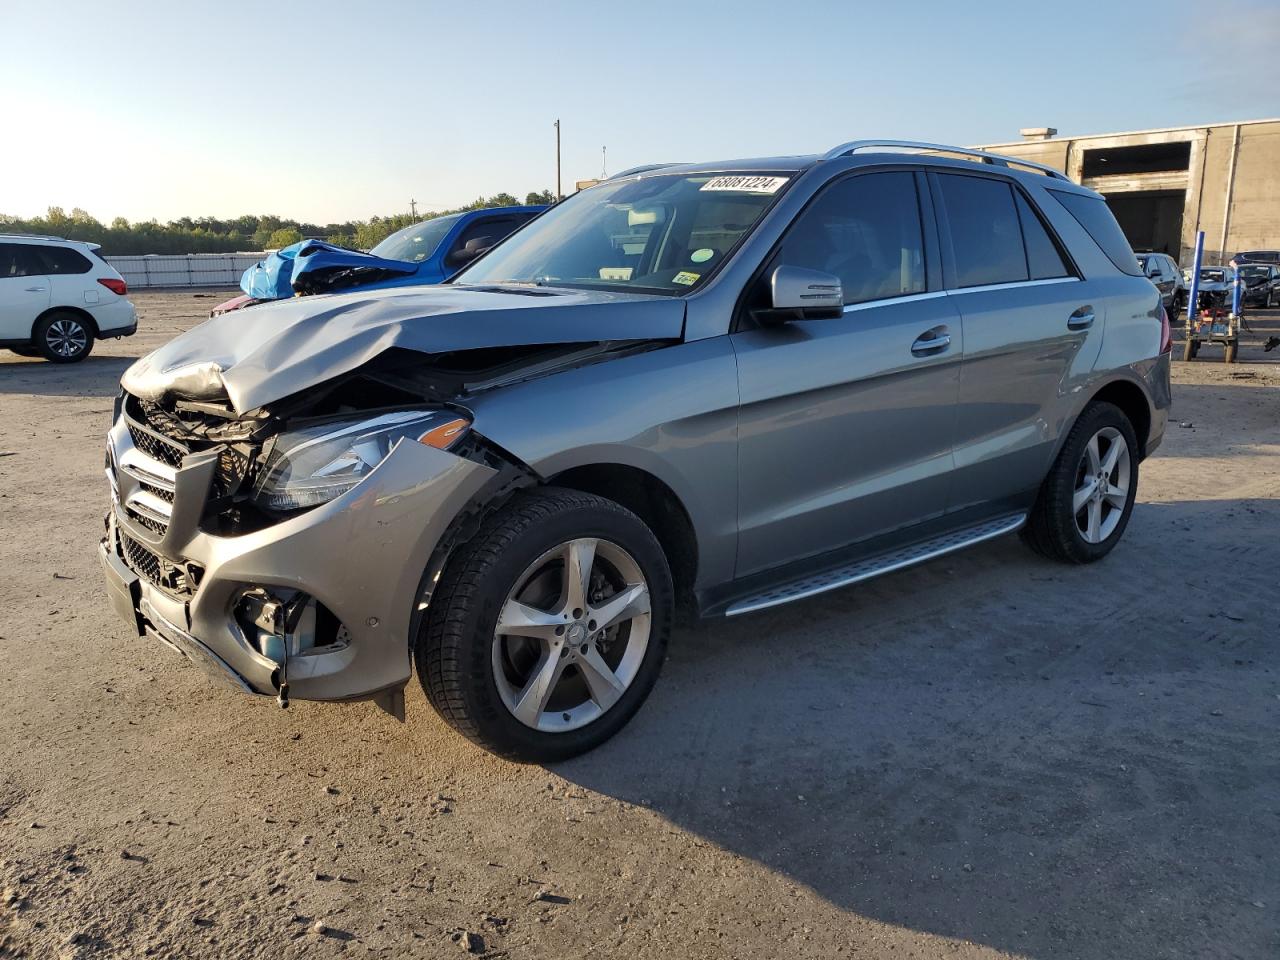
(706, 388)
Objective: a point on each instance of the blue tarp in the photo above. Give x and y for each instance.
(273, 278)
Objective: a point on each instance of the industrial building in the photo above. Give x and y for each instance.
(1164, 185)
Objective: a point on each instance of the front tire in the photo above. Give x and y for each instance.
(548, 628)
(1085, 502)
(63, 337)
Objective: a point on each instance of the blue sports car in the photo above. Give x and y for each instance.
(424, 253)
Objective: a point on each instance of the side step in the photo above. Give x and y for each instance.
(861, 570)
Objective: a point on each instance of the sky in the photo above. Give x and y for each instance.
(326, 111)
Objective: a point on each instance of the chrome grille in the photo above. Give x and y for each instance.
(157, 447)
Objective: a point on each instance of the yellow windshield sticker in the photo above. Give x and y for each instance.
(686, 278)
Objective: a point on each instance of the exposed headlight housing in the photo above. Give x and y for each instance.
(315, 464)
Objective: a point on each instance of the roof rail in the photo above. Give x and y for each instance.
(853, 146)
(30, 236)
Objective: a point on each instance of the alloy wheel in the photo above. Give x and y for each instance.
(571, 635)
(66, 337)
(1102, 485)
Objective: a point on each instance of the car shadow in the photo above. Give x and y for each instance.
(91, 377)
(1052, 761)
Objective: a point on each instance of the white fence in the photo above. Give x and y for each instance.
(191, 270)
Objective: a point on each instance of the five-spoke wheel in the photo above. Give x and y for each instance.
(548, 627)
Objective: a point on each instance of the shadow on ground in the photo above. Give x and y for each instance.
(91, 377)
(1095, 776)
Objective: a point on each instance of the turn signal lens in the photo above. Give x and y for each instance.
(445, 435)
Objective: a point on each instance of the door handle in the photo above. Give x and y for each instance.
(931, 342)
(35, 289)
(1082, 319)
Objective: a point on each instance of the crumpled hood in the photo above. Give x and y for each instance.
(275, 350)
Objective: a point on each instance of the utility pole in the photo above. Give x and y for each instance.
(413, 209)
(604, 156)
(559, 195)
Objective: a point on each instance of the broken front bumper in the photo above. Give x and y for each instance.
(362, 556)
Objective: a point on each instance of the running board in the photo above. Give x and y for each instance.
(861, 570)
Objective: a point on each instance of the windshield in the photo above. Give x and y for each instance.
(1254, 271)
(417, 242)
(661, 234)
(1217, 275)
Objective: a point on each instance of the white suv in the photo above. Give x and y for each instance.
(57, 296)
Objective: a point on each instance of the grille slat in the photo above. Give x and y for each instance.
(155, 569)
(158, 448)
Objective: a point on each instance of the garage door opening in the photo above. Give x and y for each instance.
(1151, 219)
(1145, 158)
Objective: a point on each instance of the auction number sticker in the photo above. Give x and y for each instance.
(685, 278)
(742, 184)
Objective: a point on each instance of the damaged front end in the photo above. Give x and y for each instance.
(291, 548)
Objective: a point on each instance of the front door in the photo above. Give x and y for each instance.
(845, 429)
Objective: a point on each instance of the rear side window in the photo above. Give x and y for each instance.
(61, 260)
(986, 237)
(1044, 259)
(866, 231)
(1095, 216)
(16, 260)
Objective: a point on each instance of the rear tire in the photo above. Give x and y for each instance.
(63, 337)
(1084, 503)
(482, 673)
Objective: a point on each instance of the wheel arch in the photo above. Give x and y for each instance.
(1133, 403)
(654, 502)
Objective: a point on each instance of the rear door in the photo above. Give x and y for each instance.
(845, 426)
(24, 291)
(1032, 330)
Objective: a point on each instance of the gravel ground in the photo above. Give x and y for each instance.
(989, 755)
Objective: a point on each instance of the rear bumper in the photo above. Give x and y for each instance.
(362, 556)
(116, 318)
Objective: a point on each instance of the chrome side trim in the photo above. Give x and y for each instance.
(957, 291)
(885, 301)
(875, 566)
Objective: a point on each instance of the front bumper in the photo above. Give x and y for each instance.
(362, 556)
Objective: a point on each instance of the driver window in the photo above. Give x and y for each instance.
(866, 231)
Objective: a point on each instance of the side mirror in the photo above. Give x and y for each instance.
(801, 294)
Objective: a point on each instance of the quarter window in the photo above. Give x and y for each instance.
(866, 231)
(1044, 259)
(985, 234)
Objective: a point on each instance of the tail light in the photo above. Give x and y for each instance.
(114, 285)
(1166, 335)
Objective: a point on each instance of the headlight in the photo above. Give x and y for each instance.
(315, 464)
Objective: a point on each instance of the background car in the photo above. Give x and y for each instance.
(1261, 284)
(57, 296)
(423, 253)
(1256, 256)
(1161, 270)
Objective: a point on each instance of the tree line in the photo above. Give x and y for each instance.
(249, 232)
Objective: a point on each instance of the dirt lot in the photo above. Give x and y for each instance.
(986, 756)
